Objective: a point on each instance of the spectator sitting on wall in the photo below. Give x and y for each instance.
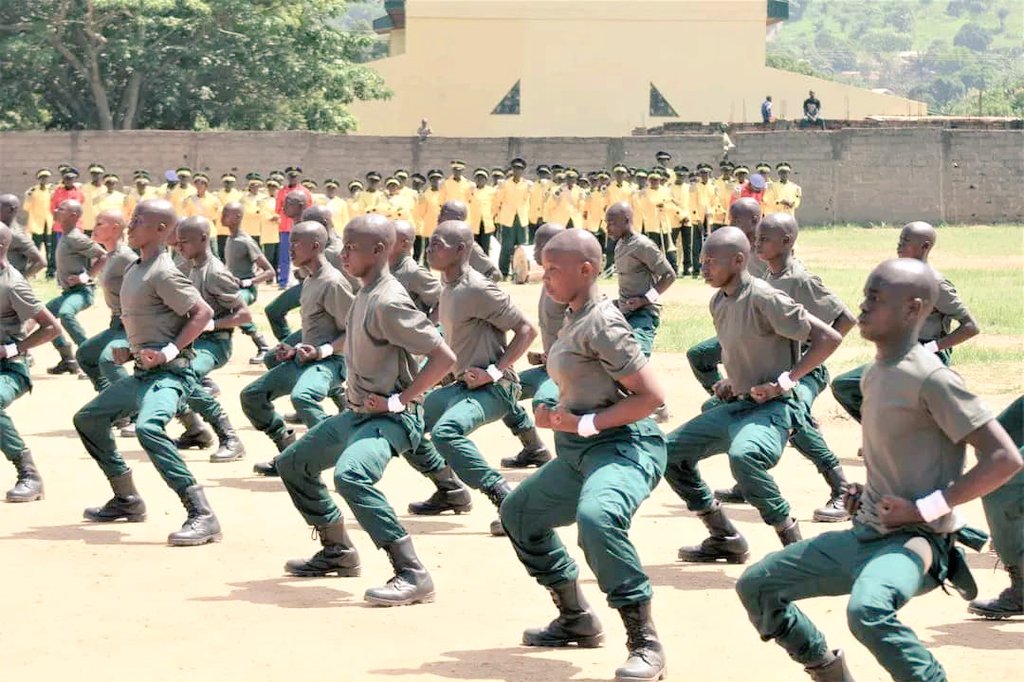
(812, 112)
(424, 130)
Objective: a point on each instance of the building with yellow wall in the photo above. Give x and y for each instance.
(485, 68)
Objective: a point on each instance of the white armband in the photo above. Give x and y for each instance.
(246, 283)
(933, 506)
(395, 403)
(84, 278)
(325, 351)
(785, 382)
(170, 351)
(652, 295)
(210, 326)
(11, 350)
(586, 427)
(931, 346)
(494, 373)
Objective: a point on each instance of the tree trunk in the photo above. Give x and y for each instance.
(131, 98)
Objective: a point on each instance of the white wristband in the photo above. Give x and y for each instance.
(11, 350)
(933, 506)
(586, 427)
(209, 326)
(931, 346)
(785, 382)
(170, 352)
(84, 278)
(494, 373)
(325, 351)
(395, 403)
(246, 283)
(652, 295)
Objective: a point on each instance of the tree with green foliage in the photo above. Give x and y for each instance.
(973, 36)
(181, 64)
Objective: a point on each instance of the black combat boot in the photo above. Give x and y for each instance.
(834, 510)
(662, 415)
(533, 454)
(125, 504)
(451, 495)
(575, 624)
(724, 542)
(196, 434)
(1009, 603)
(731, 495)
(833, 671)
(646, 657)
(201, 526)
(790, 533)
(497, 494)
(282, 441)
(67, 364)
(231, 447)
(338, 555)
(262, 348)
(210, 385)
(411, 584)
(292, 418)
(29, 487)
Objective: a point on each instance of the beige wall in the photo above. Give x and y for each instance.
(586, 68)
(868, 175)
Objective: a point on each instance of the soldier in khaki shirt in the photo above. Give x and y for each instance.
(18, 305)
(22, 253)
(423, 288)
(250, 268)
(937, 335)
(79, 260)
(918, 419)
(611, 455)
(761, 330)
(478, 260)
(476, 317)
(162, 314)
(309, 370)
(536, 384)
(384, 418)
(220, 289)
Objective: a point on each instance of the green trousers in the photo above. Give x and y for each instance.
(846, 387)
(358, 447)
(537, 386)
(879, 572)
(645, 323)
(213, 350)
(1004, 507)
(597, 483)
(307, 385)
(453, 412)
(66, 308)
(511, 236)
(704, 359)
(156, 395)
(277, 310)
(752, 435)
(96, 355)
(15, 381)
(249, 295)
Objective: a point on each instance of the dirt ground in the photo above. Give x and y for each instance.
(87, 602)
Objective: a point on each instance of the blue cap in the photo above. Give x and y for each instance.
(170, 176)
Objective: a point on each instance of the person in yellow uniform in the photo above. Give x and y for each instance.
(140, 191)
(400, 204)
(765, 170)
(180, 193)
(319, 198)
(411, 194)
(481, 209)
(227, 194)
(538, 197)
(355, 201)
(567, 202)
(372, 199)
(595, 206)
(270, 235)
(512, 208)
(112, 198)
(419, 181)
(427, 211)
(664, 159)
(725, 190)
(497, 176)
(652, 207)
(703, 202)
(681, 216)
(90, 191)
(253, 205)
(783, 195)
(37, 208)
(336, 204)
(456, 187)
(205, 204)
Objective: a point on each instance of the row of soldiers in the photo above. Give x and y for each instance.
(369, 341)
(675, 206)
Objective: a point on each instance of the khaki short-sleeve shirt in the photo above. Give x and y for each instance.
(423, 287)
(808, 290)
(948, 307)
(479, 261)
(75, 253)
(916, 414)
(386, 332)
(240, 255)
(22, 249)
(18, 303)
(155, 299)
(324, 303)
(216, 285)
(595, 348)
(760, 329)
(118, 262)
(640, 264)
(550, 317)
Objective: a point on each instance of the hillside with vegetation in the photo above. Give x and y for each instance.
(962, 57)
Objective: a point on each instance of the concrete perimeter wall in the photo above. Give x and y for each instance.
(851, 175)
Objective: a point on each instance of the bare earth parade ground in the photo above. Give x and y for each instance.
(88, 602)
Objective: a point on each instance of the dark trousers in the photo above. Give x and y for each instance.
(419, 246)
(511, 236)
(689, 262)
(284, 260)
(664, 242)
(51, 254)
(531, 231)
(483, 238)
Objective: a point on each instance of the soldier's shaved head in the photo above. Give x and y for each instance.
(452, 210)
(908, 278)
(373, 228)
(404, 230)
(619, 219)
(310, 229)
(320, 214)
(156, 210)
(727, 240)
(10, 201)
(745, 213)
(455, 232)
(916, 240)
(544, 234)
(195, 225)
(782, 222)
(921, 230)
(580, 244)
(113, 216)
